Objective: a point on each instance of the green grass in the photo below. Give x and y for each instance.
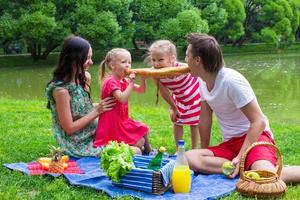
(25, 131)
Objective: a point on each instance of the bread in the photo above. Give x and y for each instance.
(159, 73)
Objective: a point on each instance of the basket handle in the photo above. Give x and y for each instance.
(242, 163)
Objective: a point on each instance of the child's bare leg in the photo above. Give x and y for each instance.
(178, 133)
(195, 136)
(147, 145)
(140, 143)
(136, 150)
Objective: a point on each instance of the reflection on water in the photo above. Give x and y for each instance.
(19, 82)
(275, 79)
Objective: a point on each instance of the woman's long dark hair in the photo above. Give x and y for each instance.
(71, 60)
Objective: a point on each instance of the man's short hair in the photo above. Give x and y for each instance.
(208, 49)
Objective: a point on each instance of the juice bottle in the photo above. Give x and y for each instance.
(181, 176)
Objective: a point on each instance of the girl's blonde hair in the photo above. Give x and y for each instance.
(163, 45)
(110, 56)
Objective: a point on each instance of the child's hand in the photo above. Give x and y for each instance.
(132, 77)
(105, 105)
(174, 114)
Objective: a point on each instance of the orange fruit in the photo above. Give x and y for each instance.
(65, 165)
(65, 158)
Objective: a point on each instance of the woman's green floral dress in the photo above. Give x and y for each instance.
(81, 142)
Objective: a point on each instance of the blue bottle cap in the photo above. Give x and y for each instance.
(180, 142)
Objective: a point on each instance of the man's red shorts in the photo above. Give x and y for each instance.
(231, 148)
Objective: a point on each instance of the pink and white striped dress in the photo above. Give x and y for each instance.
(186, 95)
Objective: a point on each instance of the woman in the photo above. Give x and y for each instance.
(73, 113)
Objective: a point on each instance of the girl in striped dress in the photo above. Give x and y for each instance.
(180, 92)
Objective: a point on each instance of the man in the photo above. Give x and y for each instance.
(229, 95)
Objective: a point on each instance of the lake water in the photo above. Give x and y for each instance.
(275, 79)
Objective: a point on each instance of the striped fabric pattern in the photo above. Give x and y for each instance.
(140, 178)
(36, 168)
(186, 95)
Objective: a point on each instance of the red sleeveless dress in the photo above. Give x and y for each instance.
(115, 124)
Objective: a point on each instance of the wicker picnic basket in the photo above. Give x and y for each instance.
(143, 179)
(157, 183)
(268, 185)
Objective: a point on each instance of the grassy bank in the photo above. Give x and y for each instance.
(25, 131)
(260, 48)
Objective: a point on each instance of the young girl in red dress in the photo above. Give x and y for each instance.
(115, 124)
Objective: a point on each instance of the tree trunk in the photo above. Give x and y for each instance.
(33, 50)
(36, 50)
(239, 42)
(297, 36)
(135, 44)
(39, 51)
(225, 41)
(50, 47)
(251, 13)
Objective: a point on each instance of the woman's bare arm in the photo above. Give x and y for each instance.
(62, 101)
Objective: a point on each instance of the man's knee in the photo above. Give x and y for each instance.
(263, 164)
(195, 158)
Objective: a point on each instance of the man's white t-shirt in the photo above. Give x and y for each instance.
(230, 93)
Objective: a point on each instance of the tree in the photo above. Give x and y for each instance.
(123, 15)
(252, 8)
(269, 35)
(277, 15)
(295, 21)
(185, 22)
(233, 28)
(150, 15)
(212, 11)
(265, 15)
(8, 27)
(44, 24)
(35, 23)
(105, 23)
(284, 29)
(99, 27)
(40, 29)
